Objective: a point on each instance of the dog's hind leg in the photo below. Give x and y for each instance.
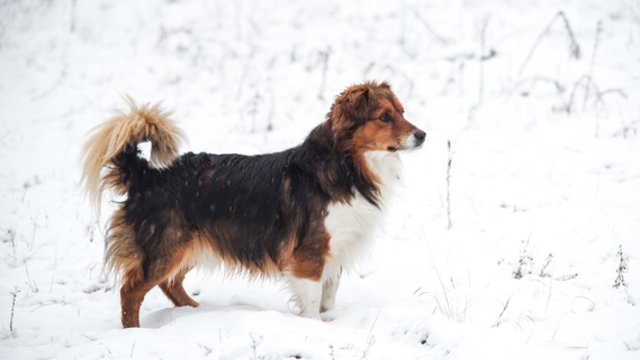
(141, 279)
(132, 293)
(174, 290)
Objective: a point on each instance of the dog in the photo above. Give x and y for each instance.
(302, 214)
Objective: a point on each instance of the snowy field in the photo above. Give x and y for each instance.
(540, 101)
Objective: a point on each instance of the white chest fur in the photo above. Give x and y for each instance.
(351, 226)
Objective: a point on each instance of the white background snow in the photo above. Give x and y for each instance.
(542, 111)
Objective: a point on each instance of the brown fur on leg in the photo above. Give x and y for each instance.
(161, 270)
(174, 290)
(132, 293)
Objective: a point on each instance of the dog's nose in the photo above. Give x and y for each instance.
(420, 135)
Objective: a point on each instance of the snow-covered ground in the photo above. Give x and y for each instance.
(542, 110)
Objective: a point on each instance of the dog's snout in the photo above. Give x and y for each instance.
(420, 135)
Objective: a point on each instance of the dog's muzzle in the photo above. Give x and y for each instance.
(415, 140)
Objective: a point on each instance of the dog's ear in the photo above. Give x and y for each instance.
(355, 102)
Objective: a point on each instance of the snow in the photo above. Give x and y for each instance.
(544, 177)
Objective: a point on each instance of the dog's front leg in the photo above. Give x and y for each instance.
(329, 289)
(306, 295)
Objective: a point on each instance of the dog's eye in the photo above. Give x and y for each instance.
(385, 118)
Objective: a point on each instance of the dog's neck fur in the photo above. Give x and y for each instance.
(339, 168)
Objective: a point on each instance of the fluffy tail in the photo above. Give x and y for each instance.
(113, 145)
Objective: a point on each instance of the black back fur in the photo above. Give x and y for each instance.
(249, 207)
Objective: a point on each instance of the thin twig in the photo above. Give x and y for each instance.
(12, 238)
(324, 58)
(14, 294)
(596, 42)
(429, 28)
(370, 338)
(72, 20)
(255, 342)
(449, 184)
(272, 108)
(245, 71)
(574, 48)
(32, 284)
(133, 348)
(504, 309)
(545, 266)
(622, 269)
(221, 347)
(483, 34)
(586, 82)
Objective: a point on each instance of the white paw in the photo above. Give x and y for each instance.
(311, 315)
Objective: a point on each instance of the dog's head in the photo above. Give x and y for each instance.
(370, 117)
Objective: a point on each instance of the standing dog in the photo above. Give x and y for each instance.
(303, 213)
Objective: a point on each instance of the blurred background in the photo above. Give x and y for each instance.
(506, 243)
(254, 66)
